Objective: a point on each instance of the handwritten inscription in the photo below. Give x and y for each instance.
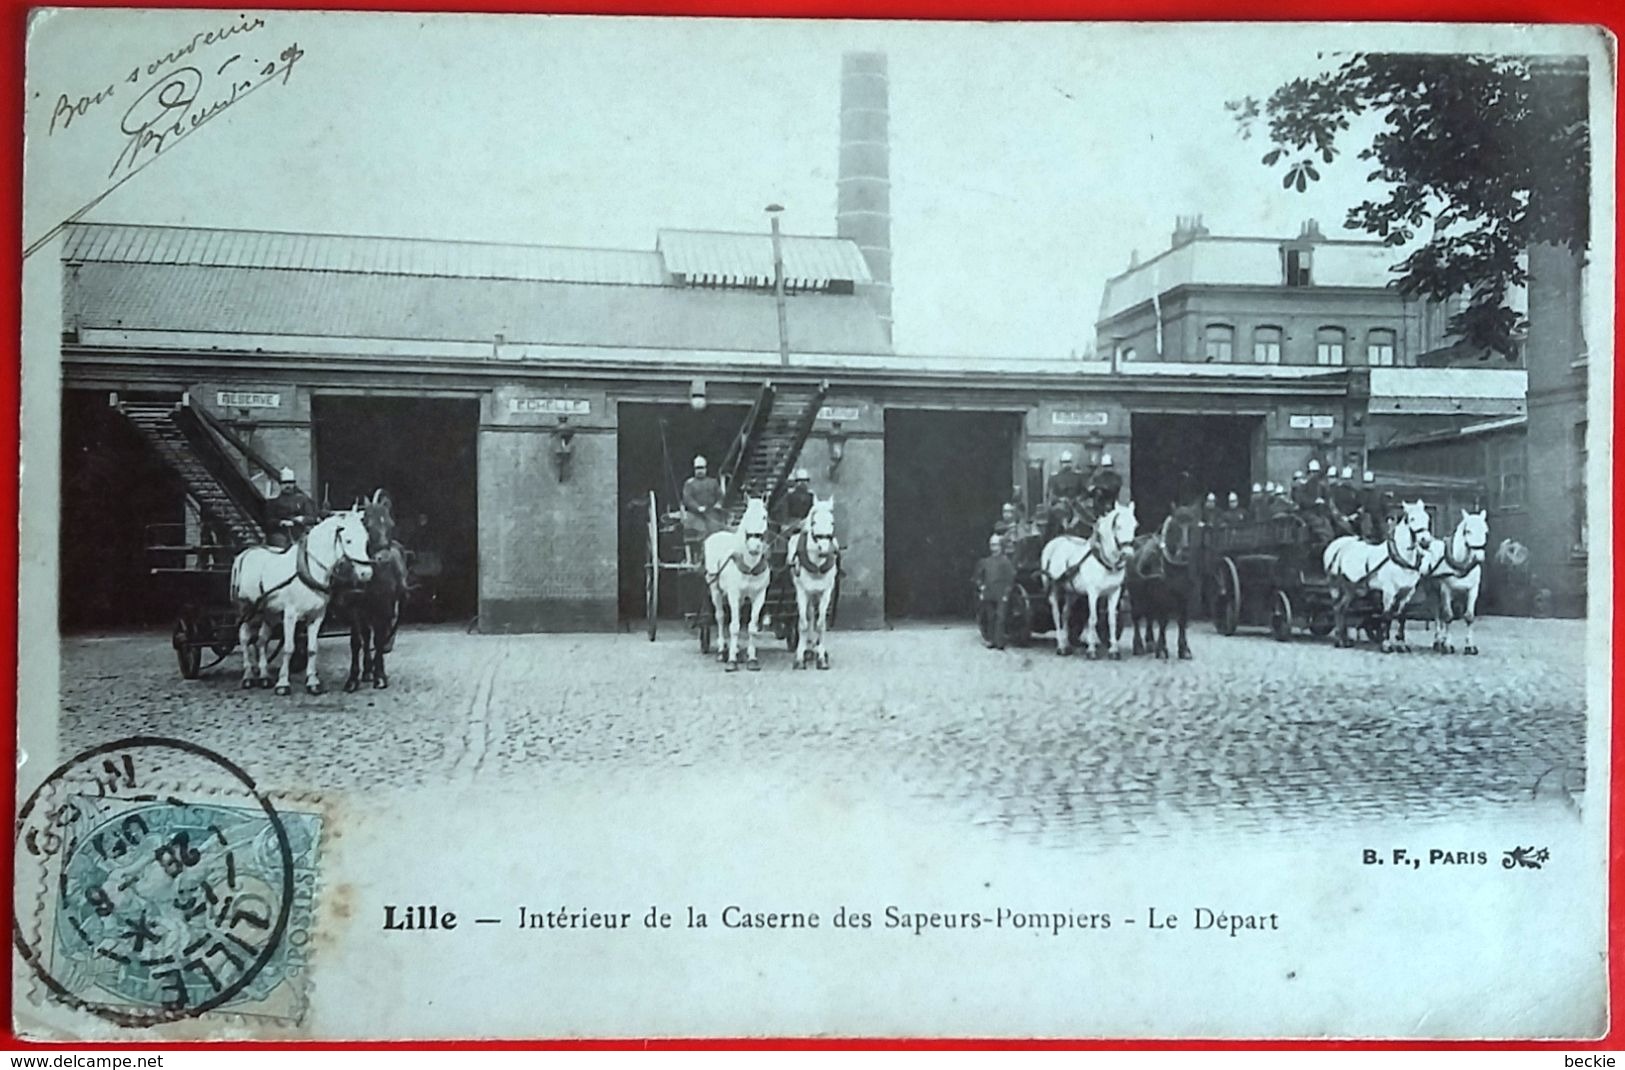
(184, 100)
(70, 108)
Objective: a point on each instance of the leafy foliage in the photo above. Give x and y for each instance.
(1480, 157)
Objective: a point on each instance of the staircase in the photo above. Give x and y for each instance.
(769, 445)
(226, 499)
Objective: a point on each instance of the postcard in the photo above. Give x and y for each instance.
(548, 527)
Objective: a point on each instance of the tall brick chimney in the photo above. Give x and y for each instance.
(863, 190)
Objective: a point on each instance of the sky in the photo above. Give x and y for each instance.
(1028, 161)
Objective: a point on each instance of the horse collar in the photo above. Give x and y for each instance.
(808, 565)
(1462, 569)
(1098, 548)
(1397, 558)
(302, 568)
(750, 570)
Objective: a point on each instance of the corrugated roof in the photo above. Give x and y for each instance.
(337, 304)
(726, 258)
(124, 243)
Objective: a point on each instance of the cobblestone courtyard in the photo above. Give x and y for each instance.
(1252, 734)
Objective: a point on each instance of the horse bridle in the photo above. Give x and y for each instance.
(1162, 539)
(1475, 555)
(831, 554)
(1393, 547)
(739, 555)
(1099, 547)
(302, 562)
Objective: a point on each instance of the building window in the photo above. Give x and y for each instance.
(1508, 455)
(1295, 263)
(1577, 491)
(1329, 345)
(1219, 343)
(1379, 348)
(1125, 354)
(1266, 345)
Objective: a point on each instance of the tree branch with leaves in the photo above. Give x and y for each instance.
(1481, 157)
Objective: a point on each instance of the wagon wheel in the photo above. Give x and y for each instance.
(705, 621)
(188, 645)
(1019, 625)
(1226, 597)
(651, 580)
(1321, 621)
(792, 630)
(1281, 617)
(223, 639)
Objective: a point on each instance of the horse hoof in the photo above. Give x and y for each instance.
(1116, 655)
(249, 685)
(753, 665)
(284, 689)
(1184, 655)
(351, 685)
(380, 683)
(1470, 650)
(315, 689)
(1063, 651)
(823, 662)
(730, 666)
(266, 682)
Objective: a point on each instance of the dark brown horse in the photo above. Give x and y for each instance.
(374, 608)
(1161, 581)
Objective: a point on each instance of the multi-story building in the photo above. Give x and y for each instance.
(1308, 300)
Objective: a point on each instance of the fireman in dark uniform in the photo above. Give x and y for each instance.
(995, 579)
(1374, 505)
(702, 507)
(1062, 493)
(798, 501)
(291, 513)
(1345, 502)
(1105, 486)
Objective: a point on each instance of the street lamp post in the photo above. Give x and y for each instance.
(773, 211)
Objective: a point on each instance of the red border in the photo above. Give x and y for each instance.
(13, 15)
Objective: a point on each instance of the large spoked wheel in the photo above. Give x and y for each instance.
(651, 580)
(188, 646)
(1019, 626)
(1226, 597)
(1281, 617)
(1321, 621)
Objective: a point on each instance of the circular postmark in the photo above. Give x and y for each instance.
(154, 882)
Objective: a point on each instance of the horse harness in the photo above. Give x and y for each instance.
(1095, 552)
(1393, 555)
(302, 573)
(1459, 569)
(804, 563)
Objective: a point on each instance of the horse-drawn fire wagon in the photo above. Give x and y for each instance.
(758, 466)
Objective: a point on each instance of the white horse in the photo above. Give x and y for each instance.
(1455, 566)
(815, 560)
(1391, 569)
(1088, 569)
(295, 583)
(736, 569)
